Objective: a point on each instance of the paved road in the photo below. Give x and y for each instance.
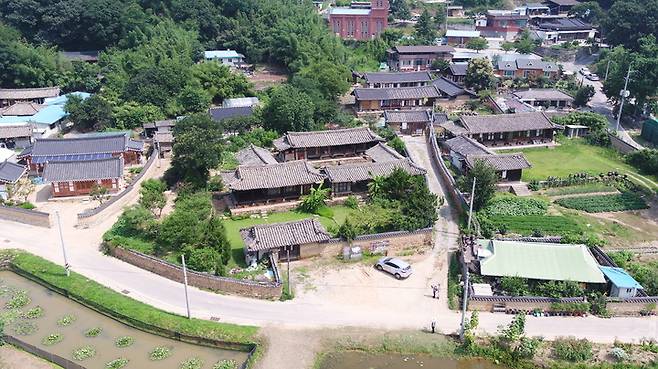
(82, 249)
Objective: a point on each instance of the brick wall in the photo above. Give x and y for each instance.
(31, 217)
(262, 290)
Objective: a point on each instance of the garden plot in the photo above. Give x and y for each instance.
(62, 327)
(604, 203)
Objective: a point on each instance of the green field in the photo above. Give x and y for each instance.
(604, 203)
(233, 226)
(576, 156)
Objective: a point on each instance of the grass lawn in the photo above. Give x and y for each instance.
(233, 227)
(575, 156)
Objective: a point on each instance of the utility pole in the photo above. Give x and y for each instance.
(470, 207)
(624, 94)
(607, 68)
(187, 299)
(288, 262)
(61, 240)
(464, 302)
(447, 3)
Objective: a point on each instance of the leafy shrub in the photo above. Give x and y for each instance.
(124, 341)
(27, 205)
(160, 353)
(619, 354)
(52, 339)
(23, 328)
(84, 353)
(66, 320)
(116, 363)
(314, 200)
(225, 364)
(93, 332)
(515, 206)
(19, 299)
(34, 313)
(604, 203)
(192, 363)
(571, 349)
(527, 347)
(552, 225)
(351, 202)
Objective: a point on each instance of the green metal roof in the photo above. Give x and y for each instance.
(545, 261)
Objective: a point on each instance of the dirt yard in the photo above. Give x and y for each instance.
(13, 358)
(266, 76)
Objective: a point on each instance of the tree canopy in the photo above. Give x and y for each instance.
(479, 74)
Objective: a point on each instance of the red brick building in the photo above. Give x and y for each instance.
(361, 21)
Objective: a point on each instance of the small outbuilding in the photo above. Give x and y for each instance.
(10, 173)
(622, 284)
(78, 178)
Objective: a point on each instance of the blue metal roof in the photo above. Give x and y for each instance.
(349, 11)
(61, 100)
(12, 119)
(222, 54)
(620, 278)
(51, 113)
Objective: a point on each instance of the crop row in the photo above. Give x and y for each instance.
(604, 203)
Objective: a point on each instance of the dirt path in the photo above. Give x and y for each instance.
(13, 358)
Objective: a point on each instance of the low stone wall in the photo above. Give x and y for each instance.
(63, 362)
(395, 241)
(487, 303)
(31, 217)
(262, 290)
(621, 145)
(633, 306)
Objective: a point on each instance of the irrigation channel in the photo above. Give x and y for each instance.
(65, 328)
(362, 360)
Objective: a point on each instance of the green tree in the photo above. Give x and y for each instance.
(99, 193)
(197, 149)
(485, 184)
(507, 46)
(202, 259)
(583, 95)
(132, 115)
(347, 231)
(330, 80)
(589, 11)
(93, 113)
(194, 99)
(400, 9)
(515, 286)
(152, 195)
(425, 29)
(477, 44)
(440, 65)
(629, 21)
(524, 44)
(314, 200)
(288, 109)
(215, 238)
(219, 82)
(479, 74)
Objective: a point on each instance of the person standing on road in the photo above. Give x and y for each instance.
(435, 289)
(433, 326)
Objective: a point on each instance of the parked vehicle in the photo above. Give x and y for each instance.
(585, 71)
(399, 268)
(593, 77)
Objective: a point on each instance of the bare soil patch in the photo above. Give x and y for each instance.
(265, 76)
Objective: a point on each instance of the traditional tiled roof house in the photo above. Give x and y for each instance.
(10, 173)
(396, 79)
(11, 96)
(78, 178)
(317, 145)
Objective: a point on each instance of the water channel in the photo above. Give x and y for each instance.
(55, 307)
(361, 360)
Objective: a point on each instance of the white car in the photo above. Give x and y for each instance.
(585, 71)
(593, 77)
(399, 268)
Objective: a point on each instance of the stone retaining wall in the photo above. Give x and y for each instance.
(262, 290)
(633, 306)
(621, 145)
(486, 303)
(20, 215)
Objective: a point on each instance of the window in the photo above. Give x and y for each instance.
(503, 174)
(380, 26)
(539, 132)
(337, 26)
(509, 73)
(526, 73)
(547, 73)
(527, 133)
(342, 187)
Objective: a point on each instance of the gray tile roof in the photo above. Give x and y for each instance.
(512, 161)
(367, 171)
(14, 131)
(21, 109)
(83, 170)
(440, 118)
(509, 103)
(163, 137)
(400, 93)
(254, 155)
(450, 88)
(291, 173)
(465, 146)
(219, 114)
(11, 172)
(273, 236)
(334, 137)
(429, 49)
(28, 93)
(564, 2)
(84, 145)
(513, 65)
(88, 56)
(543, 94)
(382, 152)
(453, 128)
(458, 69)
(167, 123)
(505, 122)
(407, 116)
(399, 77)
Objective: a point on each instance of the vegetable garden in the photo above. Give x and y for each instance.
(604, 203)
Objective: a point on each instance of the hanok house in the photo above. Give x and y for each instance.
(361, 21)
(254, 155)
(83, 148)
(257, 184)
(557, 30)
(164, 142)
(288, 241)
(10, 96)
(508, 104)
(464, 153)
(545, 97)
(158, 126)
(78, 178)
(397, 79)
(460, 37)
(560, 6)
(408, 122)
(10, 173)
(382, 99)
(527, 68)
(501, 23)
(15, 135)
(220, 114)
(21, 109)
(532, 128)
(354, 178)
(457, 73)
(318, 145)
(406, 58)
(452, 94)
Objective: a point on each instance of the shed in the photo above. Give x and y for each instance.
(622, 284)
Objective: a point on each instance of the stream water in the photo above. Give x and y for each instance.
(56, 306)
(361, 360)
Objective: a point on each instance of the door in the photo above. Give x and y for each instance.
(294, 253)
